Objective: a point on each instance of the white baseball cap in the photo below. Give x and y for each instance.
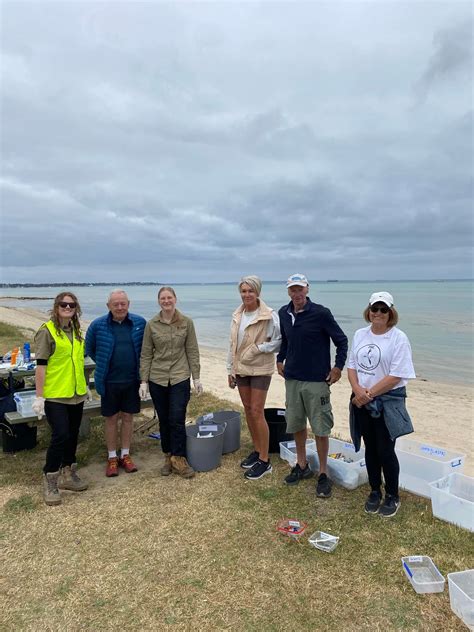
(297, 279)
(381, 297)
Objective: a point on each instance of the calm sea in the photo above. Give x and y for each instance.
(437, 316)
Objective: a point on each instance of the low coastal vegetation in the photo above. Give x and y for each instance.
(144, 552)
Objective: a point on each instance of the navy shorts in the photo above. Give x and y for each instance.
(120, 397)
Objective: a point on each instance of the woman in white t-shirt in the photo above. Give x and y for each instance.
(254, 339)
(380, 365)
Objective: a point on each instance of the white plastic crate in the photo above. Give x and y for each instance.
(421, 464)
(347, 474)
(24, 402)
(461, 595)
(423, 574)
(288, 450)
(452, 499)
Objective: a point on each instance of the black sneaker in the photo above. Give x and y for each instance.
(323, 487)
(390, 506)
(259, 469)
(297, 474)
(372, 503)
(250, 461)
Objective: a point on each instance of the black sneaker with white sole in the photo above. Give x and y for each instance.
(258, 470)
(389, 507)
(323, 487)
(373, 502)
(298, 474)
(249, 461)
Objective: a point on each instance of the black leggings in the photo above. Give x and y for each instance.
(64, 420)
(379, 452)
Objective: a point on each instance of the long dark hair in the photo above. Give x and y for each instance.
(54, 314)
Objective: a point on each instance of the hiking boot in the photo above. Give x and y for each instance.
(166, 467)
(297, 474)
(127, 464)
(51, 493)
(389, 506)
(112, 467)
(250, 461)
(323, 487)
(69, 479)
(259, 469)
(373, 501)
(179, 465)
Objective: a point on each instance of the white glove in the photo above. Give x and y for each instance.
(38, 407)
(198, 389)
(143, 391)
(89, 397)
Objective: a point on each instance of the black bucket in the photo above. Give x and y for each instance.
(18, 437)
(275, 418)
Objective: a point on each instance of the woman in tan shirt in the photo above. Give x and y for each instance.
(169, 357)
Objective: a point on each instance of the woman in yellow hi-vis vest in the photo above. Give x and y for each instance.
(61, 390)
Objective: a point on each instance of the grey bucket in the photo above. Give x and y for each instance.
(204, 454)
(232, 431)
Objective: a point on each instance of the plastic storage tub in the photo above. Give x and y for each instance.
(288, 450)
(452, 499)
(324, 541)
(232, 431)
(421, 464)
(24, 402)
(423, 574)
(204, 453)
(461, 595)
(349, 470)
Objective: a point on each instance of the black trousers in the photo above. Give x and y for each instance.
(64, 420)
(170, 403)
(380, 453)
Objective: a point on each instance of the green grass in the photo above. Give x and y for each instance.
(11, 336)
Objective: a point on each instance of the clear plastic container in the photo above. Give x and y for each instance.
(24, 402)
(461, 595)
(288, 450)
(452, 499)
(423, 574)
(346, 467)
(421, 464)
(324, 541)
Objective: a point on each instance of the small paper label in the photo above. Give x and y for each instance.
(349, 446)
(281, 413)
(432, 450)
(208, 416)
(415, 558)
(294, 523)
(208, 428)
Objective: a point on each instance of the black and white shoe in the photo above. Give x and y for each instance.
(259, 469)
(323, 487)
(389, 507)
(373, 502)
(249, 461)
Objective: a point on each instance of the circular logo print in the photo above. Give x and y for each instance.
(368, 357)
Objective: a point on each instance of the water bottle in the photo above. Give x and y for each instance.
(26, 352)
(19, 358)
(14, 356)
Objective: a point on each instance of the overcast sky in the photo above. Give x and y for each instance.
(202, 141)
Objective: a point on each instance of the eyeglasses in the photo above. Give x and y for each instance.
(383, 310)
(65, 304)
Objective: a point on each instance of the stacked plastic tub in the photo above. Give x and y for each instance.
(213, 435)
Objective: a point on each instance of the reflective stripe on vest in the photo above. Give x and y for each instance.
(65, 369)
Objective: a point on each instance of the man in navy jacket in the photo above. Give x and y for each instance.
(114, 342)
(304, 361)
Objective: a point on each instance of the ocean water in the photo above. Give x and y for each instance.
(437, 316)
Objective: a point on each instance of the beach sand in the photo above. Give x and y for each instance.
(442, 414)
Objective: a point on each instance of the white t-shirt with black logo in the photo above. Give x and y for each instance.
(376, 356)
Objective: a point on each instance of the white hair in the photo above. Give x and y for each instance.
(117, 290)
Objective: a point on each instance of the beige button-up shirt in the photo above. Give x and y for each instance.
(170, 351)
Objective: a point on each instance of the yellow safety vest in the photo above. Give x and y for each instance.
(65, 370)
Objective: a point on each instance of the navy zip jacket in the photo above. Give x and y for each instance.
(306, 344)
(100, 342)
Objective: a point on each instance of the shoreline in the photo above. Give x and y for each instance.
(442, 413)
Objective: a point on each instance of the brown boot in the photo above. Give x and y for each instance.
(166, 468)
(69, 479)
(180, 466)
(51, 493)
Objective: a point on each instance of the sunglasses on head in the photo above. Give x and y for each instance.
(65, 304)
(384, 310)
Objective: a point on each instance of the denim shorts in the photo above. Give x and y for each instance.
(120, 397)
(308, 401)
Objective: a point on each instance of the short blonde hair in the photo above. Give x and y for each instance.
(253, 281)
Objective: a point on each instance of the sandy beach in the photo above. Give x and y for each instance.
(442, 414)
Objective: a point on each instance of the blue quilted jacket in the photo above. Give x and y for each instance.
(100, 345)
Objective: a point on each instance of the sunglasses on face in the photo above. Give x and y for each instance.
(383, 310)
(65, 304)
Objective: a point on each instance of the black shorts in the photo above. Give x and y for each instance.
(120, 397)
